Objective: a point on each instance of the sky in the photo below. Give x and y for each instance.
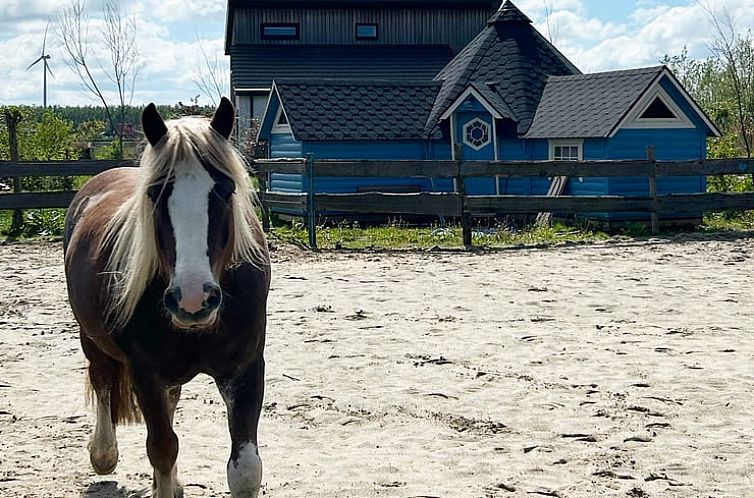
(597, 35)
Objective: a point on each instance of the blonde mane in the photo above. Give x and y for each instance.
(134, 258)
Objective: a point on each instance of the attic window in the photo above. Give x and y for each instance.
(566, 150)
(278, 31)
(281, 122)
(366, 31)
(282, 119)
(658, 110)
(476, 134)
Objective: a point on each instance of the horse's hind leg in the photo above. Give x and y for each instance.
(243, 396)
(103, 375)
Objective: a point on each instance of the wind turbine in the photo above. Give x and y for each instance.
(44, 58)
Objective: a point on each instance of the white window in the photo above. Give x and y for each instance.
(476, 134)
(281, 122)
(566, 150)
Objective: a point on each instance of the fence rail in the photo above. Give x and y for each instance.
(459, 204)
(60, 199)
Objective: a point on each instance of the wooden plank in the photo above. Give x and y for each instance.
(563, 204)
(554, 168)
(289, 167)
(709, 167)
(436, 204)
(366, 168)
(36, 200)
(696, 203)
(60, 168)
(387, 169)
(285, 201)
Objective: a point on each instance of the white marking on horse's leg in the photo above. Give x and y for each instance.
(189, 214)
(245, 472)
(167, 485)
(103, 447)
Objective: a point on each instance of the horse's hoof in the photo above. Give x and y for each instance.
(104, 462)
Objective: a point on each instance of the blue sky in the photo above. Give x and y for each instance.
(596, 35)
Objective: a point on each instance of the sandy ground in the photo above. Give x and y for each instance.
(606, 370)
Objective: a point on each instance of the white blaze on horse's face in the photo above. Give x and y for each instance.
(193, 296)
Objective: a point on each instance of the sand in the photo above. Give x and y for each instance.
(615, 369)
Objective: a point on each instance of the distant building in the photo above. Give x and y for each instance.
(507, 94)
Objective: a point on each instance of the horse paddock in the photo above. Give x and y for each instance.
(618, 369)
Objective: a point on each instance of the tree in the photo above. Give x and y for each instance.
(118, 36)
(211, 77)
(736, 54)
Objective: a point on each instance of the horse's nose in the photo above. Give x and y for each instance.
(214, 296)
(171, 298)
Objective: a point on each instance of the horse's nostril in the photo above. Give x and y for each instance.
(172, 298)
(214, 296)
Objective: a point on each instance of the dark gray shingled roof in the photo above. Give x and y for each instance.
(511, 58)
(255, 66)
(357, 110)
(589, 105)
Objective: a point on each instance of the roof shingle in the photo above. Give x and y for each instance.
(511, 58)
(589, 105)
(359, 110)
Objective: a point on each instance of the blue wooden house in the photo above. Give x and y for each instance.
(507, 95)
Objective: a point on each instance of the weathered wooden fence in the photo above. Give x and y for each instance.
(453, 204)
(60, 199)
(459, 204)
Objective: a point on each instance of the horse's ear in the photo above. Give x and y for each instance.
(154, 126)
(224, 117)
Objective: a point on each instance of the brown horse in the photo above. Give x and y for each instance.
(168, 275)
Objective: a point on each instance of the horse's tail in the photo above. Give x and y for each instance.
(123, 406)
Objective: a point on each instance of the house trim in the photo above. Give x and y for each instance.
(461, 98)
(634, 120)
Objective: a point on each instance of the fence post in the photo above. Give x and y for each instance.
(655, 215)
(466, 223)
(311, 216)
(262, 179)
(12, 118)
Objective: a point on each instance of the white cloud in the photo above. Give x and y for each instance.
(171, 54)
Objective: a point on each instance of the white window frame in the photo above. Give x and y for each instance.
(566, 143)
(635, 121)
(281, 128)
(489, 133)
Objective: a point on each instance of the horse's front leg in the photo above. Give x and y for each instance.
(243, 396)
(157, 405)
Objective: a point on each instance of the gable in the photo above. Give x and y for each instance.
(666, 105)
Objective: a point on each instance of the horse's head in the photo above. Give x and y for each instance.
(193, 219)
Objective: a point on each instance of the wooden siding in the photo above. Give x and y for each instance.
(452, 27)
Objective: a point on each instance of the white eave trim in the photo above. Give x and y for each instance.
(632, 119)
(470, 91)
(274, 129)
(251, 90)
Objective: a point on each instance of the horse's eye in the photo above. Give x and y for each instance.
(154, 192)
(225, 188)
(157, 190)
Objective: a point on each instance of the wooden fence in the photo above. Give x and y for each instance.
(459, 204)
(60, 199)
(452, 204)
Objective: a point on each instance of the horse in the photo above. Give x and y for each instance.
(168, 273)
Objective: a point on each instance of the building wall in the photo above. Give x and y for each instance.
(325, 26)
